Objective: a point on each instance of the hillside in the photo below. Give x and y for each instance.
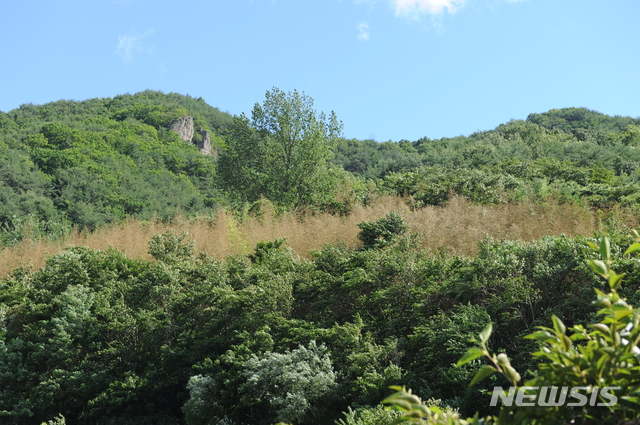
(97, 161)
(87, 163)
(316, 272)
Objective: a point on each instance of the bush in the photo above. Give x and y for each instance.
(381, 232)
(289, 382)
(170, 247)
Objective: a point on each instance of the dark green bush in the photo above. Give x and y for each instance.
(382, 232)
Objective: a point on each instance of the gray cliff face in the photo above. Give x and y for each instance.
(183, 126)
(205, 144)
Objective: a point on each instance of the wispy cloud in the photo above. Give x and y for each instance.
(418, 7)
(435, 8)
(131, 45)
(363, 31)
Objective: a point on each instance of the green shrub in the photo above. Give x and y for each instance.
(170, 247)
(289, 382)
(381, 232)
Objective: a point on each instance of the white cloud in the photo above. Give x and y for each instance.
(363, 31)
(417, 9)
(131, 45)
(434, 7)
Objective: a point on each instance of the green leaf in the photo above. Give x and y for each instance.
(511, 374)
(401, 405)
(558, 325)
(605, 248)
(615, 279)
(601, 327)
(602, 301)
(401, 400)
(577, 337)
(484, 371)
(598, 266)
(633, 248)
(593, 246)
(471, 354)
(602, 360)
(541, 336)
(621, 311)
(486, 333)
(566, 342)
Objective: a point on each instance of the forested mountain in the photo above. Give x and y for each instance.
(97, 161)
(92, 162)
(187, 338)
(577, 135)
(573, 152)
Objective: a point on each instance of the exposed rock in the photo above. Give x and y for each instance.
(205, 144)
(183, 126)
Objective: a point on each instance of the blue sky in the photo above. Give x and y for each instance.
(390, 69)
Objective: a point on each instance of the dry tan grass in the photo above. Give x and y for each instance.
(461, 224)
(457, 226)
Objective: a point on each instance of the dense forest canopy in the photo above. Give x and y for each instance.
(187, 338)
(92, 162)
(97, 161)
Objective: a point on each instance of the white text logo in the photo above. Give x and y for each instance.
(555, 396)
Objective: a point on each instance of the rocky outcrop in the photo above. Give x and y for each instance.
(205, 144)
(183, 126)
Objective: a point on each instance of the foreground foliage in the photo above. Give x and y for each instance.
(187, 338)
(604, 355)
(98, 338)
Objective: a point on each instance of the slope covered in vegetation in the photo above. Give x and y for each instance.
(574, 153)
(97, 161)
(249, 332)
(93, 162)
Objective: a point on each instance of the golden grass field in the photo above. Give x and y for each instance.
(457, 226)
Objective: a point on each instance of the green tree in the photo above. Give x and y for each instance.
(202, 407)
(290, 382)
(283, 152)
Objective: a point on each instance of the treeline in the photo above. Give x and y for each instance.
(85, 164)
(268, 337)
(578, 135)
(571, 153)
